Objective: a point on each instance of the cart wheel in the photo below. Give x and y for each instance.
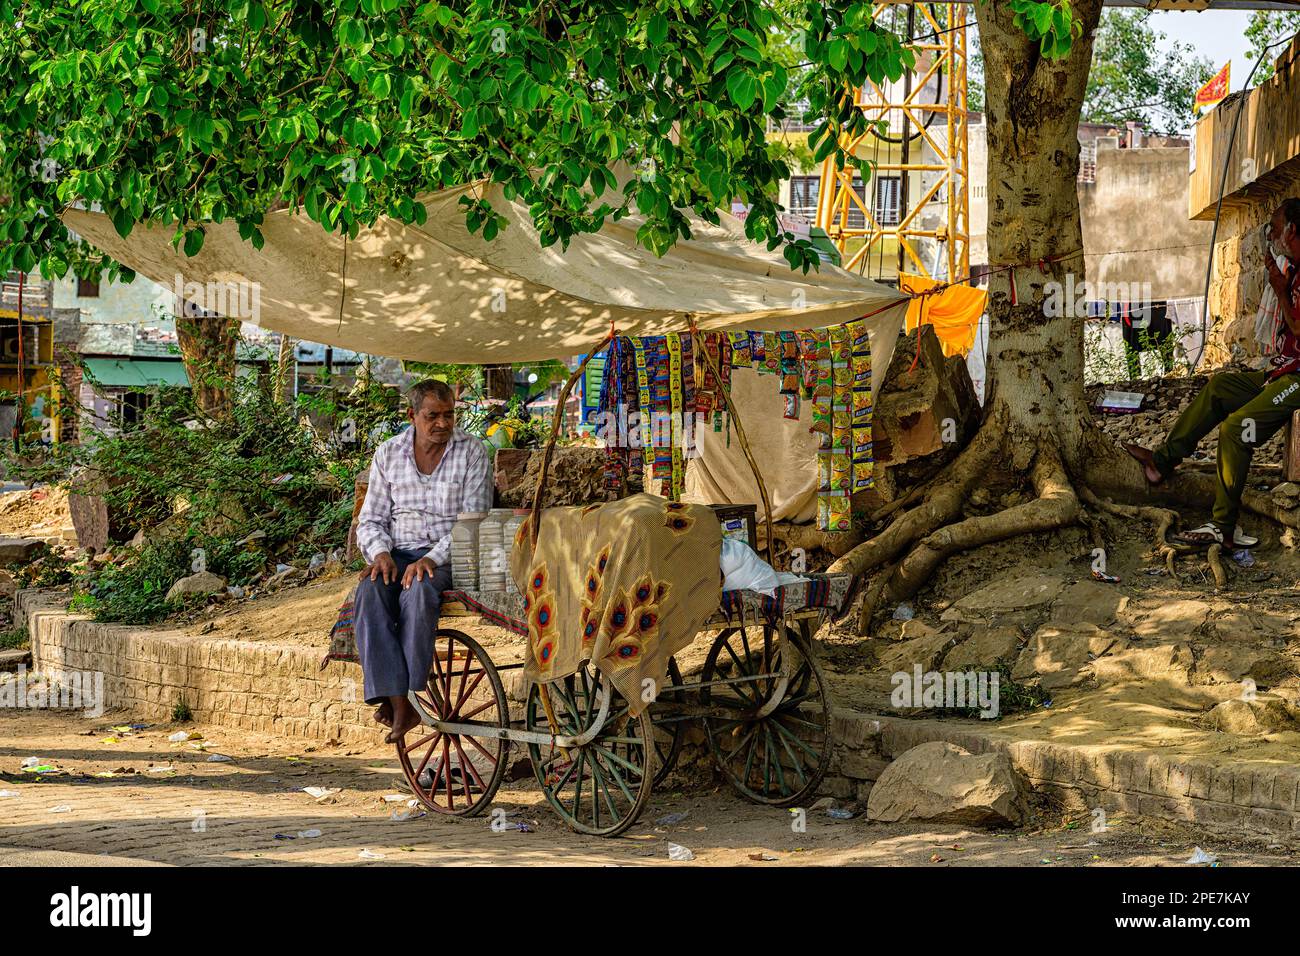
(670, 729)
(449, 772)
(599, 787)
(769, 736)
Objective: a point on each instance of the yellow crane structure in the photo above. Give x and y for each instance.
(918, 219)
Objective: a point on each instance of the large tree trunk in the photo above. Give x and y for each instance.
(207, 344)
(1035, 362)
(285, 367)
(1036, 426)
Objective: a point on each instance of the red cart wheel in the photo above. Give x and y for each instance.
(456, 773)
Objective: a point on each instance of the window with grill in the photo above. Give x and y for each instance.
(888, 200)
(803, 195)
(803, 200)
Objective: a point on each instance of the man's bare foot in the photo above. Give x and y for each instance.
(405, 719)
(384, 713)
(1147, 461)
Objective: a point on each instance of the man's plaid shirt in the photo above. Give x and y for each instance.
(414, 512)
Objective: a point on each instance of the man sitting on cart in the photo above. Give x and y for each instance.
(420, 480)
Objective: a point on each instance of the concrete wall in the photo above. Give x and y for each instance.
(142, 302)
(1135, 227)
(1138, 202)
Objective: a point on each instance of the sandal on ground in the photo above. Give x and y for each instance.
(1242, 540)
(1207, 533)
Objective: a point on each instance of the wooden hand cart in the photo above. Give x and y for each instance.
(761, 698)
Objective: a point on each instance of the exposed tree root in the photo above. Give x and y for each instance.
(1056, 506)
(1164, 519)
(927, 525)
(1214, 557)
(943, 498)
(1171, 563)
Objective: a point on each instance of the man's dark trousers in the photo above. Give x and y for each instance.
(1248, 410)
(394, 628)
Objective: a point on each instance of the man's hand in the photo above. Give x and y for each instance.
(1276, 276)
(417, 570)
(384, 568)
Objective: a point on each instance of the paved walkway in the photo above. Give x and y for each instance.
(140, 797)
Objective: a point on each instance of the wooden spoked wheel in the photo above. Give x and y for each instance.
(669, 726)
(449, 772)
(768, 719)
(599, 787)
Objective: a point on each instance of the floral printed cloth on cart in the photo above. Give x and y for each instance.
(624, 585)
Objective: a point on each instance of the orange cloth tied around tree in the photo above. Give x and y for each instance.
(954, 311)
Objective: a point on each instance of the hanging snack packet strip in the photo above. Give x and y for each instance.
(863, 460)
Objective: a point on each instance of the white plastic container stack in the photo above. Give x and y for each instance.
(493, 556)
(464, 550)
(508, 530)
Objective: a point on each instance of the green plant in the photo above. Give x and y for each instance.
(135, 592)
(181, 713)
(14, 638)
(1012, 697)
(45, 569)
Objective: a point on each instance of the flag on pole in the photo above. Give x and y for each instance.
(1213, 91)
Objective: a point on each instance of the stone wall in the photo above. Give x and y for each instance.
(1250, 171)
(271, 688)
(1239, 275)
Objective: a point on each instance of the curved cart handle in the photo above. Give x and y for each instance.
(556, 419)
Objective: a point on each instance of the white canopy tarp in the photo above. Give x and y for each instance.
(436, 292)
(439, 293)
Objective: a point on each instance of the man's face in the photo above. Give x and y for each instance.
(1284, 235)
(434, 420)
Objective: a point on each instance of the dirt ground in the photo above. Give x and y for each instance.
(42, 513)
(135, 797)
(120, 806)
(1256, 619)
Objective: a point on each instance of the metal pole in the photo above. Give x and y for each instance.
(904, 178)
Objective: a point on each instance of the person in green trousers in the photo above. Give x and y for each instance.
(1248, 408)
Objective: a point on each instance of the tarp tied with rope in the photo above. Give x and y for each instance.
(437, 292)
